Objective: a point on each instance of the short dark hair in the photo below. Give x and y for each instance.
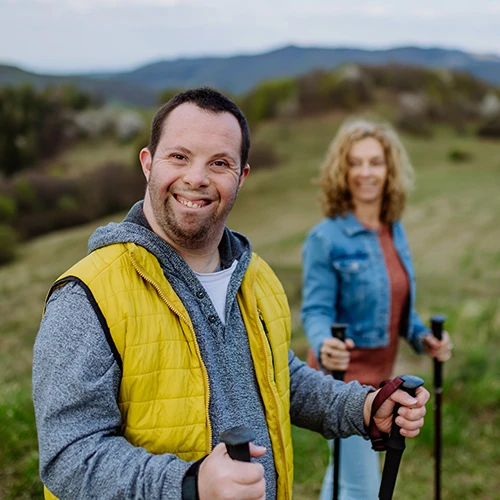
(208, 99)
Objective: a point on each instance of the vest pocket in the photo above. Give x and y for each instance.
(266, 332)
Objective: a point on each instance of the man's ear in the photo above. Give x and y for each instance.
(243, 175)
(146, 161)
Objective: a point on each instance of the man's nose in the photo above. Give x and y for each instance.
(196, 175)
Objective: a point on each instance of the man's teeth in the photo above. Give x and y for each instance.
(190, 204)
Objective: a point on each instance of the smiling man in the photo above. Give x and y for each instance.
(172, 331)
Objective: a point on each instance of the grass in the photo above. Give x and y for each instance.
(454, 236)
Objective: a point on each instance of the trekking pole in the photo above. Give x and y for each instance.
(396, 443)
(338, 332)
(437, 322)
(237, 440)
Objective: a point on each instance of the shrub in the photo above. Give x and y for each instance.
(268, 100)
(7, 208)
(263, 155)
(34, 124)
(8, 244)
(458, 155)
(110, 188)
(490, 128)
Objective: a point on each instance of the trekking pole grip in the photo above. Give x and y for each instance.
(410, 384)
(437, 322)
(338, 332)
(237, 440)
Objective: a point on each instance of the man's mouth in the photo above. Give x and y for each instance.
(191, 203)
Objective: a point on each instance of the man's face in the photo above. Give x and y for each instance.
(194, 177)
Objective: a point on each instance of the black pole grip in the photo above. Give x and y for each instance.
(338, 332)
(410, 384)
(437, 322)
(237, 440)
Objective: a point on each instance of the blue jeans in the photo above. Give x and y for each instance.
(359, 471)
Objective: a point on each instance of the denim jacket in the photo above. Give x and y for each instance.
(345, 280)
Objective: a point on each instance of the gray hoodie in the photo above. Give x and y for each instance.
(76, 381)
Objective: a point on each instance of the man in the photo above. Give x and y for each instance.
(171, 331)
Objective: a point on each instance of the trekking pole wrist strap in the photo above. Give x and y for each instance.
(387, 388)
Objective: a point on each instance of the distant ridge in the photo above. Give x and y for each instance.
(238, 74)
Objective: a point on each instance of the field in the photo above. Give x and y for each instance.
(451, 222)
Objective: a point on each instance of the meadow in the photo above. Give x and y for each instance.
(451, 222)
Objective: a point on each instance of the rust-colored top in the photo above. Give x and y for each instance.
(371, 366)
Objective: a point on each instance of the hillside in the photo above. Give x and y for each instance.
(450, 222)
(238, 74)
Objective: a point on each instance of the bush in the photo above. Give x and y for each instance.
(263, 155)
(48, 203)
(490, 128)
(268, 100)
(458, 155)
(35, 125)
(8, 209)
(8, 244)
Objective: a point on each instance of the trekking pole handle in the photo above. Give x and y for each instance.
(410, 384)
(338, 332)
(237, 440)
(437, 322)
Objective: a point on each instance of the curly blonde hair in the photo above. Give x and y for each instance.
(336, 198)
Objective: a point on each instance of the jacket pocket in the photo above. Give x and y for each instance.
(351, 265)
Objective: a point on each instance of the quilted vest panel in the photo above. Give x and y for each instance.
(154, 339)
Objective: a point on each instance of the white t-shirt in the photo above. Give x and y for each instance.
(216, 286)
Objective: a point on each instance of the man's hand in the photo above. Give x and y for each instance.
(410, 416)
(335, 354)
(221, 477)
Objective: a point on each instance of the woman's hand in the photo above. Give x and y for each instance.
(335, 354)
(439, 349)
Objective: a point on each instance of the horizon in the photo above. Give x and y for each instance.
(138, 65)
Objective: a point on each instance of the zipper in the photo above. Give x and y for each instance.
(269, 354)
(266, 331)
(180, 315)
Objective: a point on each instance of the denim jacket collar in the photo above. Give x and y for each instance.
(350, 225)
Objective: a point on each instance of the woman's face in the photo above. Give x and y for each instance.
(367, 172)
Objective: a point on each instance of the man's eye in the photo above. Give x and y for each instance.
(220, 163)
(178, 157)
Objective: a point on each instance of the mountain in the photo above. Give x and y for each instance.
(109, 89)
(239, 74)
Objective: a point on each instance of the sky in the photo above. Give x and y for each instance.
(76, 36)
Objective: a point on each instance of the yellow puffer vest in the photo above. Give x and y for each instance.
(164, 391)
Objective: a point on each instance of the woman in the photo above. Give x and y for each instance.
(358, 270)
